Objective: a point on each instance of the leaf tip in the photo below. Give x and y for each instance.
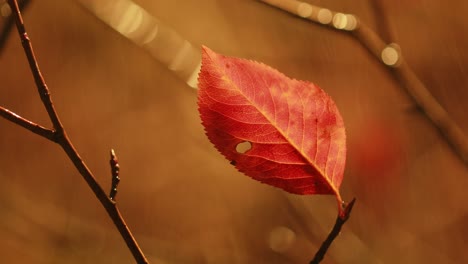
(206, 51)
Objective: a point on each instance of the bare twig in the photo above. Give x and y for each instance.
(115, 170)
(29, 125)
(340, 220)
(390, 56)
(33, 65)
(9, 23)
(60, 137)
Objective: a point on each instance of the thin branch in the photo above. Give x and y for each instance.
(115, 170)
(108, 204)
(340, 220)
(9, 24)
(29, 125)
(36, 72)
(63, 140)
(390, 56)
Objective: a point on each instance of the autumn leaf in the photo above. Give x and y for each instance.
(296, 134)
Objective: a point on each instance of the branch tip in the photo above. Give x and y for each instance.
(115, 169)
(347, 208)
(58, 135)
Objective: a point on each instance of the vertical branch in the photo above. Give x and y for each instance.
(60, 137)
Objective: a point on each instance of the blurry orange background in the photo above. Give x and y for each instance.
(182, 200)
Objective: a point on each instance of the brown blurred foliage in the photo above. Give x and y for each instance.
(183, 201)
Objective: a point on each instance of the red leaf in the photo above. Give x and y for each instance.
(296, 133)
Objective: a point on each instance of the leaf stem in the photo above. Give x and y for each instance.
(340, 220)
(60, 136)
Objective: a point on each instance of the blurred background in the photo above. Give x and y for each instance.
(182, 200)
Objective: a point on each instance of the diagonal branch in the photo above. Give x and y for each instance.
(340, 220)
(34, 66)
(9, 23)
(29, 125)
(390, 56)
(62, 139)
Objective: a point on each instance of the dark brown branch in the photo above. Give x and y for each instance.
(108, 204)
(29, 125)
(36, 72)
(115, 170)
(63, 140)
(340, 220)
(393, 60)
(9, 24)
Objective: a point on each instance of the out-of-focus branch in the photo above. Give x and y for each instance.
(384, 26)
(340, 220)
(390, 56)
(5, 12)
(161, 42)
(60, 137)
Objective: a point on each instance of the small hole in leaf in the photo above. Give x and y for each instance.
(243, 147)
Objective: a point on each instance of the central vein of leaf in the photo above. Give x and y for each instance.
(299, 150)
